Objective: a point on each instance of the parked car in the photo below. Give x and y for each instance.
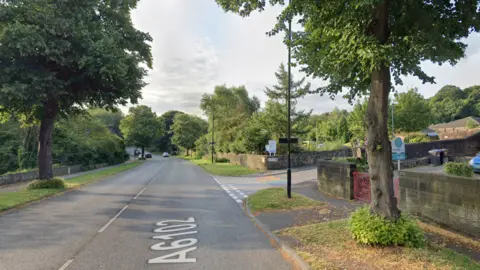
(165, 154)
(148, 155)
(475, 163)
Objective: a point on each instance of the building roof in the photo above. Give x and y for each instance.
(460, 123)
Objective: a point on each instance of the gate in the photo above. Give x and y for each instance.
(361, 187)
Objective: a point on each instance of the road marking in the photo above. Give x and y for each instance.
(178, 256)
(231, 191)
(141, 191)
(66, 265)
(113, 219)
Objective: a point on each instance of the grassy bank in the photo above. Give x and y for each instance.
(223, 169)
(12, 199)
(330, 246)
(276, 199)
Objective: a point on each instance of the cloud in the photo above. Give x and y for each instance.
(197, 46)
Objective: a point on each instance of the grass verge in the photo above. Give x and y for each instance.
(330, 246)
(223, 169)
(12, 199)
(276, 199)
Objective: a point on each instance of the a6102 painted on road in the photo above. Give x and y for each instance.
(174, 229)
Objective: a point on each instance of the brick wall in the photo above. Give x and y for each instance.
(336, 178)
(449, 200)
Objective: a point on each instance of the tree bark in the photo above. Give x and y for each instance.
(379, 149)
(45, 142)
(143, 151)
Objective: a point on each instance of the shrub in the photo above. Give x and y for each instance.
(222, 160)
(142, 158)
(54, 183)
(373, 229)
(333, 145)
(458, 169)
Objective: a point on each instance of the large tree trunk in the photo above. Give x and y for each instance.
(45, 160)
(379, 149)
(143, 151)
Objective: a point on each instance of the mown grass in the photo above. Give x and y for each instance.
(330, 246)
(222, 169)
(276, 199)
(12, 199)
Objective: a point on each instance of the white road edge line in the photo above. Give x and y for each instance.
(238, 201)
(113, 219)
(66, 265)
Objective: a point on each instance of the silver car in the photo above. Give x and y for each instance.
(165, 154)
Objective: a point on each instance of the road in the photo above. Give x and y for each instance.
(165, 214)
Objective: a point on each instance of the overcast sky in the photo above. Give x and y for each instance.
(197, 46)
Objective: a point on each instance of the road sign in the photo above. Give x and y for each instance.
(398, 149)
(272, 146)
(285, 140)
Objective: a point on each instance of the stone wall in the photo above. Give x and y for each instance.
(254, 162)
(449, 200)
(12, 178)
(458, 147)
(410, 163)
(259, 162)
(336, 178)
(307, 158)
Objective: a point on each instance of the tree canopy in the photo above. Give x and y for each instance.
(412, 112)
(141, 126)
(56, 57)
(187, 129)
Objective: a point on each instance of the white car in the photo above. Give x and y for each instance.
(165, 154)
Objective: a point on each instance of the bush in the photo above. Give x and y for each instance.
(334, 145)
(222, 160)
(372, 229)
(54, 183)
(458, 169)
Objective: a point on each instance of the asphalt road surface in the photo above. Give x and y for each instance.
(165, 214)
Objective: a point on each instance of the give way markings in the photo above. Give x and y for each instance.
(233, 192)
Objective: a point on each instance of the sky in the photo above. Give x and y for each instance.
(196, 45)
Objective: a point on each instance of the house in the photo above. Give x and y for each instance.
(457, 129)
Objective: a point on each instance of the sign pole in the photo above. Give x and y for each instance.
(213, 131)
(289, 171)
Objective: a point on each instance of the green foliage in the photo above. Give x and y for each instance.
(458, 169)
(334, 145)
(141, 126)
(412, 112)
(357, 125)
(111, 119)
(279, 92)
(451, 103)
(334, 127)
(187, 129)
(86, 141)
(222, 160)
(417, 139)
(255, 136)
(54, 183)
(471, 124)
(164, 143)
(231, 107)
(373, 229)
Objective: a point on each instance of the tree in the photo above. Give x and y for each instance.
(111, 119)
(412, 112)
(141, 126)
(187, 129)
(59, 56)
(280, 91)
(360, 45)
(231, 107)
(449, 104)
(164, 142)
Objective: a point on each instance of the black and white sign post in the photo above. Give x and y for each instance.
(289, 171)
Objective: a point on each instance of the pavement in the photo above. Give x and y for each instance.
(164, 214)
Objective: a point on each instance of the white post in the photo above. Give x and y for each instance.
(68, 169)
(398, 165)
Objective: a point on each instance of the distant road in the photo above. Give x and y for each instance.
(166, 214)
